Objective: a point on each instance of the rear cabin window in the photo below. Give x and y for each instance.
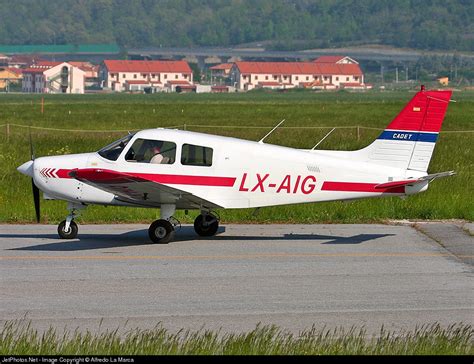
(196, 155)
(151, 151)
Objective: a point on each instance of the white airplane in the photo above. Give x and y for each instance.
(176, 169)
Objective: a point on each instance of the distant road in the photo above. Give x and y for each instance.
(290, 275)
(359, 53)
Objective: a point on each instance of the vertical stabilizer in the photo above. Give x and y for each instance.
(408, 141)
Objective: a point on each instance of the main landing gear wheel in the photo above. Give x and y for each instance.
(206, 225)
(71, 233)
(161, 232)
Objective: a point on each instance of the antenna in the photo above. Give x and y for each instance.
(323, 138)
(271, 131)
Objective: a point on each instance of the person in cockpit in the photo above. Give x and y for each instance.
(157, 157)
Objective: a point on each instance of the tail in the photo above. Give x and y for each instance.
(409, 140)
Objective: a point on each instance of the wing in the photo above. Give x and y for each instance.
(411, 182)
(139, 190)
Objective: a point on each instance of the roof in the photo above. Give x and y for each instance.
(131, 82)
(221, 67)
(16, 71)
(147, 66)
(295, 68)
(85, 66)
(329, 59)
(187, 87)
(335, 59)
(34, 70)
(45, 64)
(178, 82)
(6, 73)
(139, 82)
(41, 66)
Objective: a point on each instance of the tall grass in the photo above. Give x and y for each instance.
(21, 339)
(451, 198)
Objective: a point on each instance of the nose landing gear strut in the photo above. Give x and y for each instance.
(67, 229)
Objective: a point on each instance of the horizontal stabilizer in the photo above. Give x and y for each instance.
(431, 177)
(394, 184)
(412, 182)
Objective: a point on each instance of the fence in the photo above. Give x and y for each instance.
(9, 126)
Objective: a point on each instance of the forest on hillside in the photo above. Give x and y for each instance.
(278, 24)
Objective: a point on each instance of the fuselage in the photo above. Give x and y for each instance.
(242, 174)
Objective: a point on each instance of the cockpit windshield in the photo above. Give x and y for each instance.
(113, 150)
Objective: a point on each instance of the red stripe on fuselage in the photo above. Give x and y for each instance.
(175, 179)
(359, 187)
(109, 176)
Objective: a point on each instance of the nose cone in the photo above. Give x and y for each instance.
(26, 168)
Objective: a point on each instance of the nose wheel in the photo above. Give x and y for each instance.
(67, 229)
(67, 232)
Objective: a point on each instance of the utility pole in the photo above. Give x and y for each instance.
(381, 71)
(406, 73)
(396, 74)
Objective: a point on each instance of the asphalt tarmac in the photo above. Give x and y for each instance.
(294, 276)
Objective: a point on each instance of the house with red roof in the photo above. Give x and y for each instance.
(325, 74)
(91, 76)
(221, 70)
(123, 75)
(53, 77)
(8, 76)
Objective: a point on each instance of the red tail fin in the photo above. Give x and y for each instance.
(425, 112)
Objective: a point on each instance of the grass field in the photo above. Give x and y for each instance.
(21, 339)
(254, 114)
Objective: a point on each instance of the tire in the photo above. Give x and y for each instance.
(161, 232)
(71, 234)
(209, 230)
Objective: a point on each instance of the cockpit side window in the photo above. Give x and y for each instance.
(113, 150)
(196, 155)
(151, 151)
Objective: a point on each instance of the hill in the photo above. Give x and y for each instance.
(280, 24)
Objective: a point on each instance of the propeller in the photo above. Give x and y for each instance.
(36, 198)
(36, 191)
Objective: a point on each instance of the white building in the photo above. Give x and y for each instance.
(341, 73)
(119, 75)
(336, 59)
(53, 77)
